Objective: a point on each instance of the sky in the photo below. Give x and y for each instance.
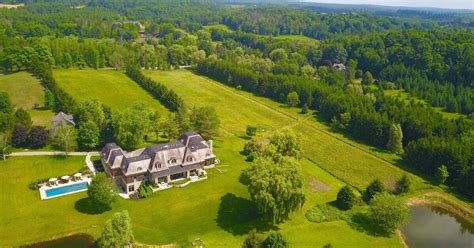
(445, 4)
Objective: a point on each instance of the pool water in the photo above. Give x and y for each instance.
(66, 189)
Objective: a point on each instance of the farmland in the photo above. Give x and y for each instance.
(112, 88)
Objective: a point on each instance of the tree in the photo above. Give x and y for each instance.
(100, 192)
(88, 135)
(278, 54)
(49, 100)
(276, 188)
(251, 131)
(38, 137)
(346, 198)
(253, 240)
(23, 118)
(117, 232)
(5, 103)
(292, 99)
(6, 121)
(374, 188)
(205, 121)
(388, 212)
(287, 143)
(403, 185)
(19, 136)
(131, 125)
(170, 128)
(304, 109)
(275, 240)
(441, 174)
(367, 78)
(91, 110)
(4, 146)
(395, 138)
(308, 71)
(66, 137)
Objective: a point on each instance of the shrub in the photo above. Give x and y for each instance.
(38, 137)
(251, 131)
(403, 185)
(253, 146)
(253, 240)
(275, 240)
(346, 199)
(145, 191)
(442, 174)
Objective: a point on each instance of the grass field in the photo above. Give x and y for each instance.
(26, 92)
(112, 88)
(217, 210)
(295, 38)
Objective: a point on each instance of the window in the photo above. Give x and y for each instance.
(157, 165)
(172, 161)
(189, 158)
(131, 188)
(134, 179)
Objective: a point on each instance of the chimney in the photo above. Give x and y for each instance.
(209, 143)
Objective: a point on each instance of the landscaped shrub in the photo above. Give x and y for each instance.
(403, 185)
(324, 213)
(145, 191)
(38, 137)
(34, 185)
(275, 240)
(19, 136)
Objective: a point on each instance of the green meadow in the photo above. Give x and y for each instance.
(112, 88)
(26, 92)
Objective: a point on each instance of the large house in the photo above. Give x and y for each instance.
(159, 163)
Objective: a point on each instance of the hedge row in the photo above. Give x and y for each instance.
(166, 96)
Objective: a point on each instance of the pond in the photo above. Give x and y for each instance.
(73, 241)
(435, 227)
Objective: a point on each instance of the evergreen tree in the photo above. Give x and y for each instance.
(275, 240)
(304, 109)
(346, 198)
(374, 188)
(395, 138)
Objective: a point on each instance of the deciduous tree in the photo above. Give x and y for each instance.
(100, 192)
(395, 138)
(117, 231)
(88, 135)
(388, 212)
(292, 99)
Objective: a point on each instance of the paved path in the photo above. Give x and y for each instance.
(51, 153)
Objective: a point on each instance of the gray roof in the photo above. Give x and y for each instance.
(62, 119)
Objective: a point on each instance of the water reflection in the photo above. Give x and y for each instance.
(436, 227)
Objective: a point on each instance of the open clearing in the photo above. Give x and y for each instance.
(26, 92)
(112, 88)
(217, 210)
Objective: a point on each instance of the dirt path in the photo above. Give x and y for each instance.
(51, 153)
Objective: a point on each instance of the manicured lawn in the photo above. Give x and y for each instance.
(26, 92)
(112, 88)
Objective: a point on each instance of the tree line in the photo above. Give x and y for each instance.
(166, 96)
(369, 119)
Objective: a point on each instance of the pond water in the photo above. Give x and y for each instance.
(435, 227)
(74, 241)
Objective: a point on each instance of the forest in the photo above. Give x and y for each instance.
(428, 58)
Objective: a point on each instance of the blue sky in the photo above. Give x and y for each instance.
(445, 4)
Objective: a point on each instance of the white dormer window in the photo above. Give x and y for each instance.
(189, 158)
(172, 161)
(157, 165)
(139, 169)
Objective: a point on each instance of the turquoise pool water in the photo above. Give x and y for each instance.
(66, 189)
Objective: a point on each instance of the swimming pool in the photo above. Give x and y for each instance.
(65, 190)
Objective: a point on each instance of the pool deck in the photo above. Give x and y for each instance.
(43, 189)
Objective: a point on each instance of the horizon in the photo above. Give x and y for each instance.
(440, 4)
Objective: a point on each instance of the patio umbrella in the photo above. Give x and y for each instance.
(65, 177)
(52, 180)
(78, 175)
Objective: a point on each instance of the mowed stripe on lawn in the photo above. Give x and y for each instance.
(342, 159)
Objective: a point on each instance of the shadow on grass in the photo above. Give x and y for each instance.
(239, 216)
(85, 206)
(362, 223)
